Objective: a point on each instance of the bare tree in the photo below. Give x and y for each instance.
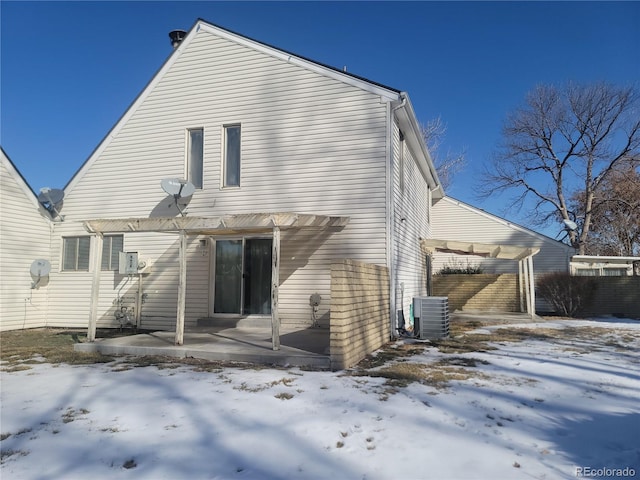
(562, 143)
(448, 164)
(615, 213)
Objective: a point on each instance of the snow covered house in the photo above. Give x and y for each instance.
(292, 165)
(25, 237)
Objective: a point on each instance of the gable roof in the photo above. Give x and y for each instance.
(19, 179)
(504, 222)
(392, 95)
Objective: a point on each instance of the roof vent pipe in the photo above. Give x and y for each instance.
(176, 37)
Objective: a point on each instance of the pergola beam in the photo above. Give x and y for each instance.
(215, 225)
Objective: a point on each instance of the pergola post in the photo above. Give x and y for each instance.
(521, 284)
(275, 280)
(532, 287)
(182, 288)
(95, 288)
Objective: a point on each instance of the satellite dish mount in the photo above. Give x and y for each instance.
(178, 188)
(51, 201)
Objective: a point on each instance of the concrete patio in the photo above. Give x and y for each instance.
(249, 341)
(235, 342)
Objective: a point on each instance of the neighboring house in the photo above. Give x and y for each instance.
(503, 247)
(458, 221)
(24, 237)
(294, 164)
(604, 266)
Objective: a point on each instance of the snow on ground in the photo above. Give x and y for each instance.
(538, 408)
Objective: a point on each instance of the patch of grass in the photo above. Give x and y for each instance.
(110, 429)
(71, 414)
(389, 353)
(5, 454)
(20, 347)
(461, 362)
(284, 396)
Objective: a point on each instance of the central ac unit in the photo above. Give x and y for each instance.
(431, 317)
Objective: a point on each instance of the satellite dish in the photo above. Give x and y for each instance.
(178, 188)
(570, 225)
(51, 200)
(39, 268)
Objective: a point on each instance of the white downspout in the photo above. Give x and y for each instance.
(391, 242)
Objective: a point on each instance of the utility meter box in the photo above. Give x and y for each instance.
(128, 263)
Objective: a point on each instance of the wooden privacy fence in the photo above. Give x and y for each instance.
(359, 311)
(619, 296)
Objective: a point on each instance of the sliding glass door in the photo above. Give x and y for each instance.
(243, 276)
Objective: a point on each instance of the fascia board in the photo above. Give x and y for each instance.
(409, 124)
(299, 61)
(604, 258)
(506, 223)
(19, 179)
(130, 111)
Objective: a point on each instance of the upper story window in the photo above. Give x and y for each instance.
(111, 247)
(195, 156)
(75, 253)
(231, 156)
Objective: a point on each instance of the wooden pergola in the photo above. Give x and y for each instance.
(523, 255)
(223, 225)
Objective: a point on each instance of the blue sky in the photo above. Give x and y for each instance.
(69, 70)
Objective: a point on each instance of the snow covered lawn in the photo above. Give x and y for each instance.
(540, 401)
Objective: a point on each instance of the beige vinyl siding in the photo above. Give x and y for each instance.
(310, 144)
(24, 237)
(413, 205)
(454, 220)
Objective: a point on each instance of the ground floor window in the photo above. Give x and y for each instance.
(111, 247)
(75, 253)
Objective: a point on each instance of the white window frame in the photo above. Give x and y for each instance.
(65, 247)
(107, 251)
(197, 182)
(225, 159)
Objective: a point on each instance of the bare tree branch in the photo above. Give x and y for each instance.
(562, 144)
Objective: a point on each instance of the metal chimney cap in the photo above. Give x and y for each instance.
(176, 37)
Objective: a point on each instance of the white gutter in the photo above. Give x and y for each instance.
(409, 122)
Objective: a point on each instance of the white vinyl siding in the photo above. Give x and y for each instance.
(411, 206)
(310, 144)
(24, 237)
